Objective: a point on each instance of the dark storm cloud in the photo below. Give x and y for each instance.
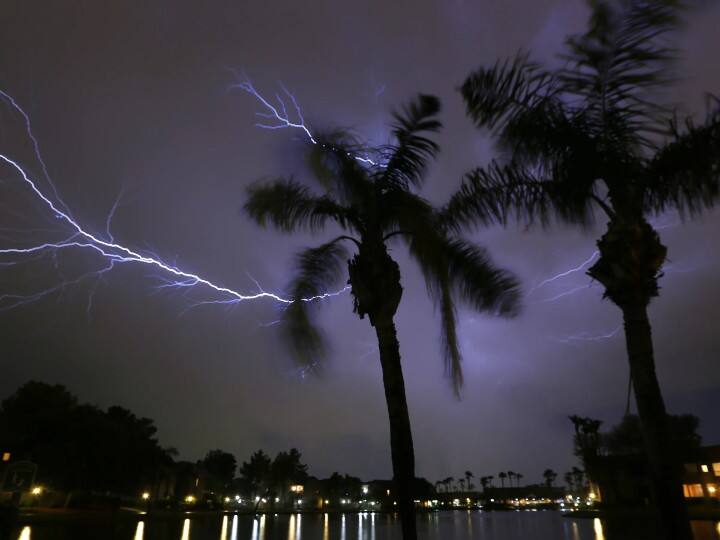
(133, 96)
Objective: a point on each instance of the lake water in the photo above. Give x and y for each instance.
(460, 525)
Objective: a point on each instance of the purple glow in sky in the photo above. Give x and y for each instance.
(132, 99)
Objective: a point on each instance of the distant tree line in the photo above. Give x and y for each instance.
(78, 446)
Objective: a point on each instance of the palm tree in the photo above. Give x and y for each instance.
(468, 477)
(448, 482)
(502, 477)
(375, 203)
(510, 476)
(461, 483)
(589, 137)
(518, 476)
(485, 482)
(549, 475)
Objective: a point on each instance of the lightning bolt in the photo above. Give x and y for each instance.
(112, 252)
(276, 116)
(587, 336)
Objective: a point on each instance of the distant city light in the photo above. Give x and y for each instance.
(297, 488)
(145, 496)
(365, 490)
(6, 456)
(227, 499)
(189, 499)
(37, 490)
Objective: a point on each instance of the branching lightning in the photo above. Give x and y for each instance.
(112, 252)
(277, 116)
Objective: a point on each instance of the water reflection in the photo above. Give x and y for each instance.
(258, 530)
(575, 531)
(139, 531)
(223, 528)
(437, 526)
(186, 530)
(598, 528)
(291, 528)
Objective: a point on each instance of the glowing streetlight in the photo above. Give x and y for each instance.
(145, 496)
(190, 499)
(37, 490)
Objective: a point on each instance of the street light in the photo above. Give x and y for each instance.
(37, 490)
(145, 496)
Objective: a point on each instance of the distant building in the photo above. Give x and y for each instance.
(623, 479)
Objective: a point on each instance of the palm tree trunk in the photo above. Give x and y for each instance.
(665, 468)
(401, 443)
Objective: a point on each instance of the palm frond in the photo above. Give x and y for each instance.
(623, 55)
(448, 333)
(335, 164)
(448, 267)
(494, 96)
(317, 271)
(478, 282)
(494, 194)
(290, 206)
(685, 173)
(406, 160)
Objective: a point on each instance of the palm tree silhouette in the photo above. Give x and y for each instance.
(549, 476)
(518, 476)
(502, 477)
(468, 478)
(374, 205)
(588, 137)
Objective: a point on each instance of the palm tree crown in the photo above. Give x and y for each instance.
(374, 203)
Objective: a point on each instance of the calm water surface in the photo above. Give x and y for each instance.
(459, 525)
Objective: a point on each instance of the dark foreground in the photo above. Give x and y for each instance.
(459, 525)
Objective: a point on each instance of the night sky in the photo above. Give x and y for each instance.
(132, 98)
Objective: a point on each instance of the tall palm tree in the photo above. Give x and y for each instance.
(590, 137)
(502, 477)
(510, 475)
(549, 476)
(518, 477)
(375, 203)
(468, 478)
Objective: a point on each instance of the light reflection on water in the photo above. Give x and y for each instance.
(598, 529)
(363, 526)
(139, 531)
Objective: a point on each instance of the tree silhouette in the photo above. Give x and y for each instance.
(502, 477)
(590, 137)
(374, 205)
(221, 467)
(468, 478)
(549, 476)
